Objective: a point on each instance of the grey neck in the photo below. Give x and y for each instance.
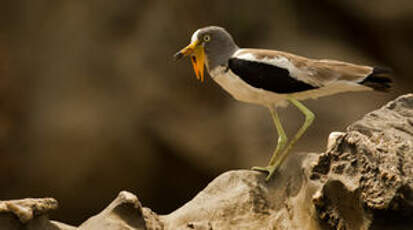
(219, 56)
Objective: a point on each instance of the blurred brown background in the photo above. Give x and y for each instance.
(91, 102)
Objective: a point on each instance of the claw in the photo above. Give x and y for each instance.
(268, 169)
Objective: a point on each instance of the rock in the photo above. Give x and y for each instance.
(364, 180)
(125, 212)
(62, 226)
(393, 121)
(26, 209)
(367, 173)
(29, 214)
(243, 200)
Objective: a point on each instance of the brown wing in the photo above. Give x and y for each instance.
(316, 72)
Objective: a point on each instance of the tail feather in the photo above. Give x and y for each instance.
(379, 79)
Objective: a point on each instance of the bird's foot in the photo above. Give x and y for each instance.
(270, 169)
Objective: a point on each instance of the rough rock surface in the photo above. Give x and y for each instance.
(125, 212)
(243, 200)
(367, 173)
(26, 209)
(364, 180)
(29, 214)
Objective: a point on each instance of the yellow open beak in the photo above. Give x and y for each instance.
(196, 50)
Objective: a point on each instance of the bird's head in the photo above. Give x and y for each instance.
(211, 46)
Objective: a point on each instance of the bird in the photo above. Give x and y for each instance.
(274, 79)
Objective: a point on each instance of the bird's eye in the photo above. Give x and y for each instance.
(207, 38)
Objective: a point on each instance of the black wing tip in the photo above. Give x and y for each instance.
(379, 70)
(379, 79)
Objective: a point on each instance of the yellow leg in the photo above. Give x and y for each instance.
(282, 141)
(309, 118)
(277, 159)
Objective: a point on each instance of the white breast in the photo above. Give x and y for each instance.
(241, 90)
